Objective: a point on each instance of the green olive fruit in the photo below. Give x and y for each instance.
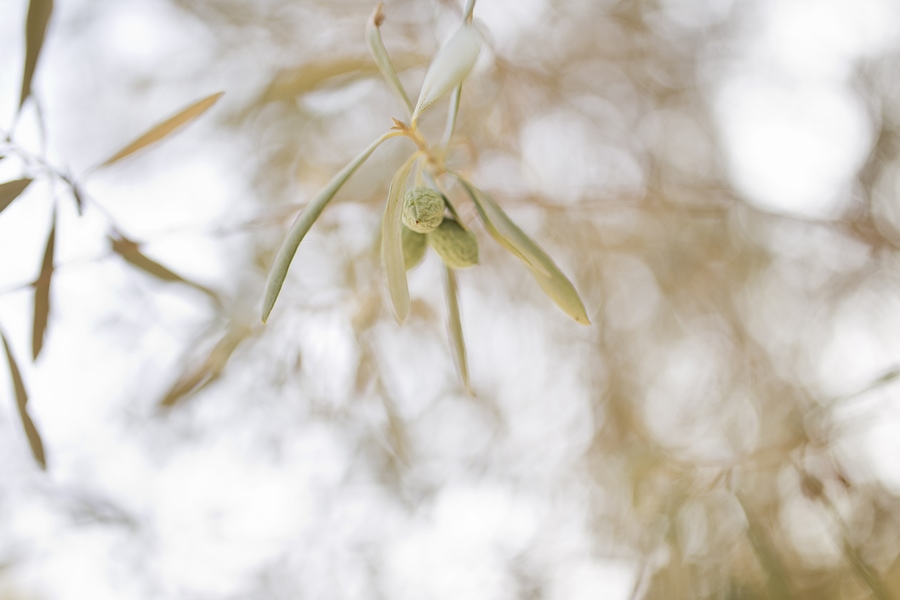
(457, 247)
(423, 209)
(414, 246)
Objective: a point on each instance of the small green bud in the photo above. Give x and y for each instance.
(414, 246)
(423, 209)
(457, 247)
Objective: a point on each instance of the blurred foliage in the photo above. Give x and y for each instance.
(693, 423)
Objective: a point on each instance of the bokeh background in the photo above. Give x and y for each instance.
(719, 178)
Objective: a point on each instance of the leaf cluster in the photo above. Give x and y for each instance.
(448, 70)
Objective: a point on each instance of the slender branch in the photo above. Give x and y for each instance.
(470, 8)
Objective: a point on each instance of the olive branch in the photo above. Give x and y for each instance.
(415, 218)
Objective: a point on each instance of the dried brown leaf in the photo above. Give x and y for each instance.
(165, 128)
(10, 190)
(209, 369)
(39, 12)
(42, 293)
(34, 439)
(131, 252)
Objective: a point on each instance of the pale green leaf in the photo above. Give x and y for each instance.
(10, 190)
(554, 283)
(31, 432)
(165, 128)
(505, 231)
(452, 113)
(39, 12)
(392, 242)
(454, 326)
(450, 66)
(304, 221)
(379, 53)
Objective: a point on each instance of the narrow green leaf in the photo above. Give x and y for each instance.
(34, 439)
(450, 66)
(39, 12)
(131, 252)
(392, 241)
(10, 190)
(505, 231)
(304, 221)
(379, 53)
(454, 326)
(42, 293)
(452, 113)
(163, 129)
(554, 283)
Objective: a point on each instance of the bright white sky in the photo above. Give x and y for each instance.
(794, 136)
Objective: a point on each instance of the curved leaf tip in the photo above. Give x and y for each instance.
(304, 222)
(165, 128)
(451, 65)
(392, 242)
(541, 267)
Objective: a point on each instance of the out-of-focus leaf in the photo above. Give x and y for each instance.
(376, 45)
(454, 326)
(554, 283)
(10, 190)
(450, 66)
(392, 242)
(865, 571)
(39, 12)
(165, 128)
(304, 78)
(304, 221)
(79, 201)
(34, 439)
(131, 252)
(326, 72)
(207, 369)
(776, 574)
(42, 293)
